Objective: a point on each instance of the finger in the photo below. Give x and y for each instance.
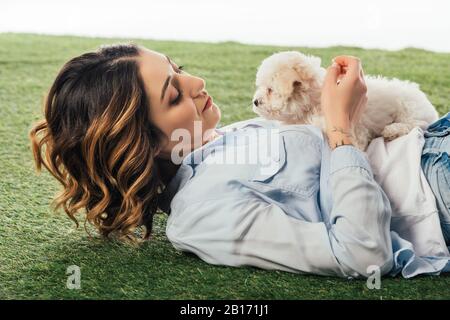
(352, 65)
(345, 60)
(332, 74)
(361, 74)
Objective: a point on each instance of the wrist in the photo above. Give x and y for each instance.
(337, 138)
(338, 122)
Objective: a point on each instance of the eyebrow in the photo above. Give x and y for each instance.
(166, 83)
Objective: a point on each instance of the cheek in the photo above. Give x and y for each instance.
(184, 116)
(279, 102)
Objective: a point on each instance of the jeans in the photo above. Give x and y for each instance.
(436, 167)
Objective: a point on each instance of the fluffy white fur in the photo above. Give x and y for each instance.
(288, 87)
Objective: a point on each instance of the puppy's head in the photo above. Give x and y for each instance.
(288, 86)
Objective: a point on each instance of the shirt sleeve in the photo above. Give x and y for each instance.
(248, 230)
(360, 214)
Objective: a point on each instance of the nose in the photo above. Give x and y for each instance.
(195, 85)
(256, 102)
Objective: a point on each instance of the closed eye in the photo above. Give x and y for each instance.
(179, 97)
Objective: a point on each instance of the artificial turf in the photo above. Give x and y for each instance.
(37, 245)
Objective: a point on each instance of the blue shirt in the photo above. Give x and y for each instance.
(304, 208)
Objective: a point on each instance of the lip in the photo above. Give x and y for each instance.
(208, 104)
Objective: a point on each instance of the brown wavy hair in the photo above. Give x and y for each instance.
(97, 140)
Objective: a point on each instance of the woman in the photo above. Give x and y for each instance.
(111, 134)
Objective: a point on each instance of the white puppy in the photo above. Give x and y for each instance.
(288, 87)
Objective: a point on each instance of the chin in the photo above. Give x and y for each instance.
(218, 114)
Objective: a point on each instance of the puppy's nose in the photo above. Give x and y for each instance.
(256, 102)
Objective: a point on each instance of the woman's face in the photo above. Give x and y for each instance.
(177, 101)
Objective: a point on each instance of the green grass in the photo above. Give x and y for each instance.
(36, 245)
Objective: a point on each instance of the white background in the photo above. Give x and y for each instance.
(386, 24)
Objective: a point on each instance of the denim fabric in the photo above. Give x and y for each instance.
(436, 166)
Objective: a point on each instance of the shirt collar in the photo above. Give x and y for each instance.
(194, 158)
(186, 171)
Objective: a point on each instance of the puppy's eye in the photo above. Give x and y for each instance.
(269, 90)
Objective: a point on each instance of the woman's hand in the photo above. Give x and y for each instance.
(343, 98)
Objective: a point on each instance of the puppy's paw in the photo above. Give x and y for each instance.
(395, 130)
